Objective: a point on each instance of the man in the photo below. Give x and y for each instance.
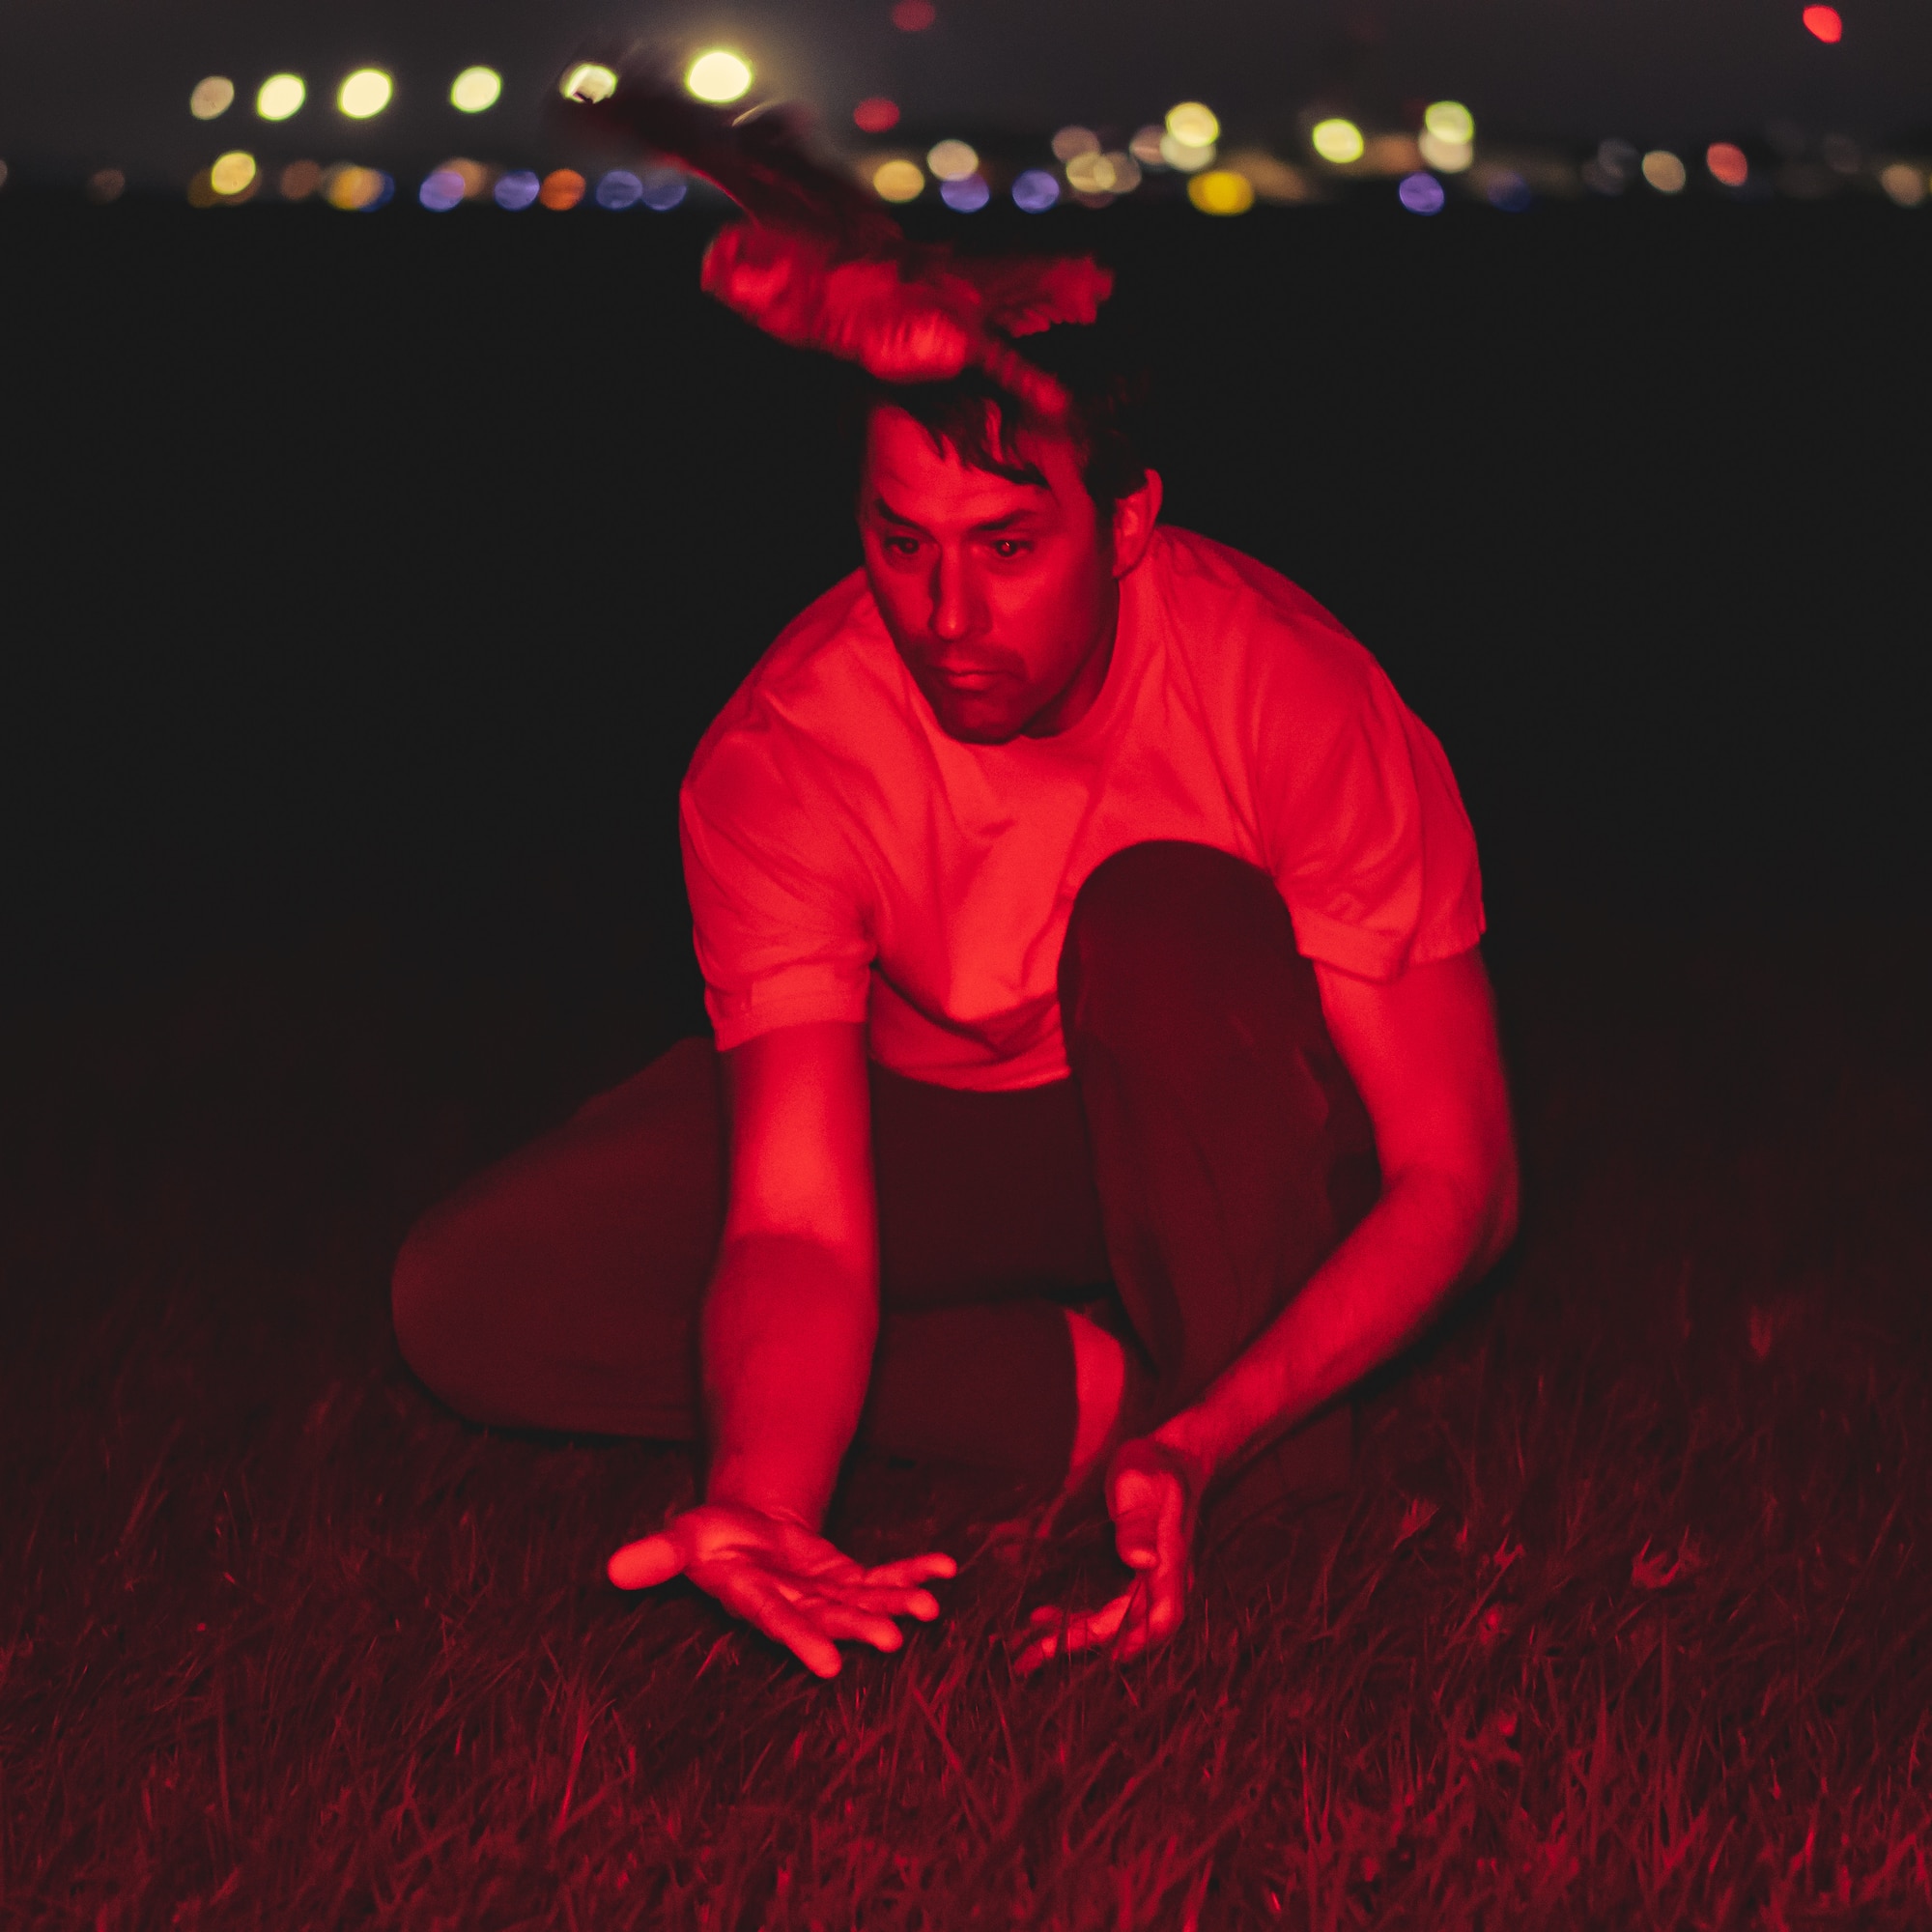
(1104, 1064)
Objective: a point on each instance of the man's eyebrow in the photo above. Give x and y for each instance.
(1025, 515)
(882, 508)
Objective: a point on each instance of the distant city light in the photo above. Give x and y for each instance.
(474, 175)
(1075, 140)
(1446, 157)
(1337, 140)
(1185, 159)
(562, 189)
(212, 98)
(1727, 163)
(280, 96)
(475, 90)
(1664, 171)
(298, 181)
(1421, 194)
(441, 190)
(1508, 190)
(1221, 191)
(897, 181)
(105, 184)
(1450, 121)
(518, 189)
(1034, 192)
(365, 93)
(588, 81)
(876, 115)
(1193, 125)
(619, 190)
(914, 16)
(718, 77)
(233, 173)
(1144, 147)
(953, 160)
(1117, 173)
(663, 189)
(1823, 23)
(966, 195)
(1905, 184)
(355, 189)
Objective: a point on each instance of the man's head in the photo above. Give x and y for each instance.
(995, 546)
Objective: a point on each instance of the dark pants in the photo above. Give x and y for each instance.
(1207, 1155)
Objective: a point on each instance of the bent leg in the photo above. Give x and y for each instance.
(1231, 1148)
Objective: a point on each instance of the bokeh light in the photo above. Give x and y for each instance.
(475, 90)
(663, 189)
(233, 173)
(474, 175)
(588, 81)
(718, 77)
(1034, 192)
(1144, 147)
(1337, 140)
(1823, 23)
(562, 189)
(441, 190)
(355, 189)
(1506, 189)
(1727, 163)
(1116, 173)
(298, 181)
(953, 160)
(365, 93)
(1221, 191)
(1664, 171)
(280, 96)
(518, 191)
(876, 115)
(1449, 120)
(914, 16)
(1905, 184)
(1421, 194)
(1182, 158)
(967, 194)
(1446, 157)
(897, 180)
(105, 184)
(212, 98)
(1193, 125)
(619, 190)
(1075, 140)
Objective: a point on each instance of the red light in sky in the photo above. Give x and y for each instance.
(1727, 163)
(913, 16)
(1823, 21)
(876, 115)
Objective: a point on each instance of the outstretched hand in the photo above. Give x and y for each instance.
(786, 1580)
(1154, 1496)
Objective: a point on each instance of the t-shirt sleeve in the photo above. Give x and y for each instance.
(1369, 840)
(777, 914)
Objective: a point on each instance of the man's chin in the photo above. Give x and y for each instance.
(975, 717)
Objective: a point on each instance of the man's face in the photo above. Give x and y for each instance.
(1001, 596)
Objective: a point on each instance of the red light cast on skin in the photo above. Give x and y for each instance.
(1825, 24)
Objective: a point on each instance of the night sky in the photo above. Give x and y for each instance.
(90, 83)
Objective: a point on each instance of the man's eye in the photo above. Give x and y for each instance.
(1009, 547)
(903, 546)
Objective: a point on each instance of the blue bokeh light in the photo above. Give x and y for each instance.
(381, 195)
(619, 189)
(1421, 194)
(967, 196)
(1510, 192)
(518, 189)
(663, 188)
(442, 191)
(1036, 191)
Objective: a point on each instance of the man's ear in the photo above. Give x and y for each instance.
(1134, 519)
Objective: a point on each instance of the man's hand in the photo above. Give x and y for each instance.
(786, 1580)
(1154, 1496)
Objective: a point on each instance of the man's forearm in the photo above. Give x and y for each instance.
(1427, 1234)
(788, 1328)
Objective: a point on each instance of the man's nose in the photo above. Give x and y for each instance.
(951, 596)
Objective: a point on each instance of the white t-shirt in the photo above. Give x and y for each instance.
(849, 861)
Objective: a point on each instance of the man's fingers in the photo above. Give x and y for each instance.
(1067, 1636)
(841, 1619)
(911, 1570)
(645, 1564)
(758, 1601)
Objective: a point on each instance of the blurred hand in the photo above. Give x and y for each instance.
(784, 1579)
(1154, 1496)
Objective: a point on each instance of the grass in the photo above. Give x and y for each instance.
(1625, 1620)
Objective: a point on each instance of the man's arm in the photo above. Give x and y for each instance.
(1422, 1050)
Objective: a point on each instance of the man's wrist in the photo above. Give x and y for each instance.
(739, 1485)
(1182, 1435)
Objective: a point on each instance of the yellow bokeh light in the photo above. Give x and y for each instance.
(1664, 171)
(1450, 121)
(280, 96)
(588, 81)
(211, 97)
(1337, 140)
(1221, 191)
(476, 89)
(365, 93)
(897, 181)
(232, 173)
(718, 77)
(1905, 184)
(1444, 155)
(1091, 174)
(954, 160)
(1192, 125)
(349, 188)
(1186, 159)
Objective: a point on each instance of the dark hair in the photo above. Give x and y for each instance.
(985, 422)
